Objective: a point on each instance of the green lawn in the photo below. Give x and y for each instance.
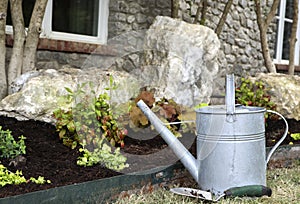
(284, 182)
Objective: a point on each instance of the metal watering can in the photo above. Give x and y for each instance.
(230, 144)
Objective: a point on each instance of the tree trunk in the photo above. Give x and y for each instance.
(201, 11)
(293, 39)
(223, 17)
(263, 26)
(32, 39)
(16, 60)
(174, 8)
(3, 81)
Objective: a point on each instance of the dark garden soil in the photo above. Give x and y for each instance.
(46, 156)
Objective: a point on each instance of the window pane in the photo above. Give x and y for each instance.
(27, 6)
(289, 9)
(75, 16)
(285, 44)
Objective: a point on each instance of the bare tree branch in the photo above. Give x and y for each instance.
(16, 61)
(293, 39)
(223, 17)
(201, 11)
(3, 80)
(263, 26)
(174, 8)
(272, 12)
(33, 35)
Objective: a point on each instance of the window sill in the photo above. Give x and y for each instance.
(285, 67)
(68, 46)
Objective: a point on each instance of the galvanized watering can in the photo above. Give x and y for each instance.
(230, 144)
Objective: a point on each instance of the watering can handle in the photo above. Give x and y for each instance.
(230, 95)
(282, 138)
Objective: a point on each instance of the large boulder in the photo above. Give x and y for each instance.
(180, 60)
(284, 92)
(42, 91)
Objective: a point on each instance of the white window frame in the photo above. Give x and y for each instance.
(47, 32)
(280, 34)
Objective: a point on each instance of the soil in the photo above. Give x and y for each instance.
(46, 156)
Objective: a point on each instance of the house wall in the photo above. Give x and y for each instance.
(240, 45)
(240, 41)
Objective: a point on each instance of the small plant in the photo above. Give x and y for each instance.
(103, 155)
(8, 177)
(66, 127)
(89, 123)
(201, 105)
(166, 109)
(253, 94)
(89, 118)
(39, 180)
(9, 148)
(295, 136)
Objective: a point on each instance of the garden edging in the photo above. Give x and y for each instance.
(103, 190)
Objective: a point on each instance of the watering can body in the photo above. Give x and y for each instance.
(231, 147)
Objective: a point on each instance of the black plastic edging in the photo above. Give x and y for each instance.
(97, 191)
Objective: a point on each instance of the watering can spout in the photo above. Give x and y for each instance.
(186, 158)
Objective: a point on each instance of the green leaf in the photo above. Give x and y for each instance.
(69, 90)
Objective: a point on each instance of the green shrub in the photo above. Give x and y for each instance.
(253, 94)
(9, 148)
(88, 123)
(90, 117)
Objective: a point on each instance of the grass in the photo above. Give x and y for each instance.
(284, 182)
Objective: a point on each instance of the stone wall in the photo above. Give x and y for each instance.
(128, 15)
(240, 51)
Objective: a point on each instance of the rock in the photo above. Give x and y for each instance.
(284, 92)
(176, 59)
(18, 83)
(181, 60)
(42, 93)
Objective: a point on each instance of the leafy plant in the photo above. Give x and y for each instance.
(8, 177)
(9, 148)
(201, 105)
(253, 94)
(295, 136)
(166, 109)
(93, 117)
(39, 180)
(66, 127)
(103, 155)
(88, 123)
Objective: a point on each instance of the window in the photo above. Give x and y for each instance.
(284, 26)
(72, 20)
(27, 8)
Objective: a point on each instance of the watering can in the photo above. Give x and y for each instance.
(231, 147)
